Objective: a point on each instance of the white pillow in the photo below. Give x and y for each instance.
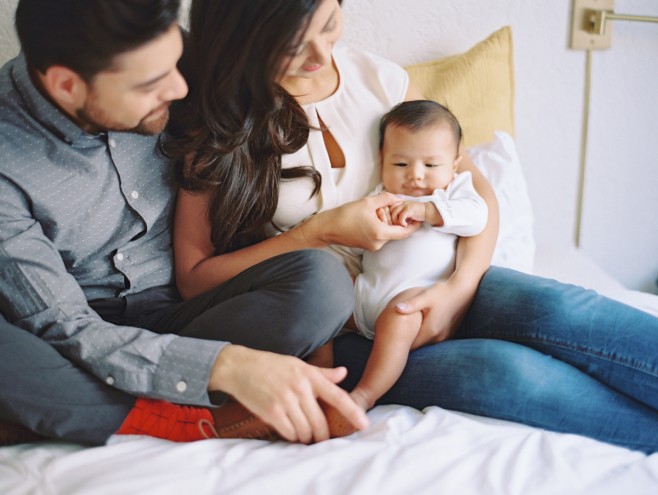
(499, 163)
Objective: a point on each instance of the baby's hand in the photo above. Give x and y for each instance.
(407, 212)
(384, 214)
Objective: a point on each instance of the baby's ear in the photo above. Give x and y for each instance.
(457, 162)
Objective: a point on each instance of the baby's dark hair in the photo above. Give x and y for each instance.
(419, 114)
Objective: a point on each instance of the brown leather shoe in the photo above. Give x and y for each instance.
(13, 434)
(233, 420)
(339, 426)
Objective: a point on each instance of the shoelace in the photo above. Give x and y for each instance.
(209, 431)
(205, 424)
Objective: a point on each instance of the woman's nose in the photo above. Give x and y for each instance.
(321, 52)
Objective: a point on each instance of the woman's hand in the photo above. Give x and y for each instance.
(356, 224)
(284, 391)
(443, 306)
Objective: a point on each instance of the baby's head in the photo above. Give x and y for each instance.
(419, 147)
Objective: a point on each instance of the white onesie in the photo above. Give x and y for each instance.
(422, 259)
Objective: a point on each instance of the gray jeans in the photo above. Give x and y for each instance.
(290, 304)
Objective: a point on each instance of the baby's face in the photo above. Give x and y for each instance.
(415, 163)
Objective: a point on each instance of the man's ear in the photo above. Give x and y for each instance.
(64, 85)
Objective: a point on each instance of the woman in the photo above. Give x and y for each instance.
(278, 135)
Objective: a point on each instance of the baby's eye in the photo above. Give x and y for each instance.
(431, 165)
(400, 164)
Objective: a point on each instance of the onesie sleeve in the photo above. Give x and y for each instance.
(463, 211)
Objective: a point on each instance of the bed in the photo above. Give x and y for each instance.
(405, 450)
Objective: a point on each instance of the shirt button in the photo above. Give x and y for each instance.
(181, 386)
(120, 256)
(112, 143)
(134, 195)
(109, 380)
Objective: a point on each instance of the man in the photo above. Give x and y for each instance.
(97, 340)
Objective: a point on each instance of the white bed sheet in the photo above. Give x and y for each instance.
(404, 451)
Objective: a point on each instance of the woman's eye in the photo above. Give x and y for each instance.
(296, 50)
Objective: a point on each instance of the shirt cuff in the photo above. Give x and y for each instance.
(184, 372)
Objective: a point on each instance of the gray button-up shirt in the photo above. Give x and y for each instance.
(84, 217)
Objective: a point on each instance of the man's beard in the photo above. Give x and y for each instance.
(94, 119)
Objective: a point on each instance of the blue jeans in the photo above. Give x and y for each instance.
(538, 352)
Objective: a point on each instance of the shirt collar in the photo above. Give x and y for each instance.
(41, 108)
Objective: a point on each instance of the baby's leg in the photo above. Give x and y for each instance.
(394, 336)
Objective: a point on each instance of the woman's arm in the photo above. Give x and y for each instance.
(474, 253)
(198, 269)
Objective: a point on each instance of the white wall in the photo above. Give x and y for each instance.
(620, 221)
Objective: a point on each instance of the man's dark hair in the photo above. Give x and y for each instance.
(86, 35)
(419, 114)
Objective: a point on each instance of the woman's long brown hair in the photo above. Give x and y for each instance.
(227, 137)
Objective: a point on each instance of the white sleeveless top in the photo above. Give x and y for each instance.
(369, 86)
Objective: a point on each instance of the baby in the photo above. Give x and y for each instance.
(420, 154)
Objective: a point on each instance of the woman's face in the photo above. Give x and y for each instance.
(311, 56)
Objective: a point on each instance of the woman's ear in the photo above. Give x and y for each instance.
(64, 86)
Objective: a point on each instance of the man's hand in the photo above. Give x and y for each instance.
(284, 391)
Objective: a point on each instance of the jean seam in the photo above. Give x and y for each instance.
(642, 367)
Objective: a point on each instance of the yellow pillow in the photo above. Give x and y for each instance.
(478, 86)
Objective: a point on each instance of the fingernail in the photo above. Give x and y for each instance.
(401, 306)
